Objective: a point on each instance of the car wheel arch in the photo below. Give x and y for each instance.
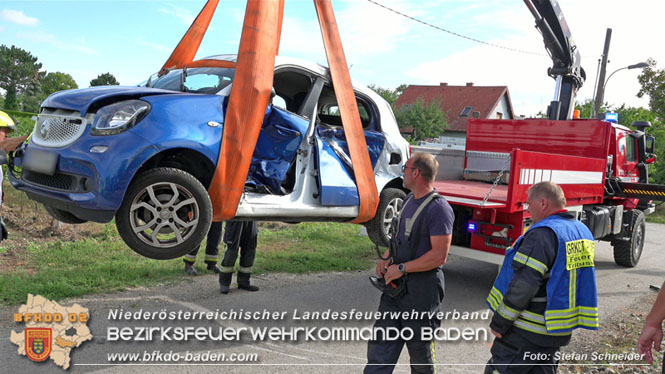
(185, 159)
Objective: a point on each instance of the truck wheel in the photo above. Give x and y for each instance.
(390, 204)
(166, 213)
(63, 216)
(627, 252)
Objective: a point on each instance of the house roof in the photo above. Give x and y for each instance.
(453, 99)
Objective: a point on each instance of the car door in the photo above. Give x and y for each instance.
(336, 178)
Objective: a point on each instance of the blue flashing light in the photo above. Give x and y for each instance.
(612, 117)
(472, 226)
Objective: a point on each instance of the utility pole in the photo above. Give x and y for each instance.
(600, 90)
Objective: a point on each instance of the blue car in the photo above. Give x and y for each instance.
(146, 156)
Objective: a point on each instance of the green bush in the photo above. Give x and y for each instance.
(17, 113)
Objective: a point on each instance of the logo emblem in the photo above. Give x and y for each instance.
(38, 343)
(46, 126)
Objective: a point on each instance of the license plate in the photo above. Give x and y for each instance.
(40, 161)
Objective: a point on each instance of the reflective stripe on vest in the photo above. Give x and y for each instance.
(531, 262)
(568, 305)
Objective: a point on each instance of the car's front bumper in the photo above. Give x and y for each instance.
(90, 185)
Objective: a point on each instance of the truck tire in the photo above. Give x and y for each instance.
(627, 252)
(62, 216)
(390, 204)
(165, 214)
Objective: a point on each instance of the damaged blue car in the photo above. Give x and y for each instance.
(146, 155)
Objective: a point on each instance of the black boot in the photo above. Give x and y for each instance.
(243, 282)
(213, 268)
(225, 282)
(189, 268)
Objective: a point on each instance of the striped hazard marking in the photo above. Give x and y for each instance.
(643, 192)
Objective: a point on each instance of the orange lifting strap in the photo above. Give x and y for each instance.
(252, 84)
(353, 130)
(184, 53)
(259, 44)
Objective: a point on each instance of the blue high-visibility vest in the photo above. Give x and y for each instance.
(572, 300)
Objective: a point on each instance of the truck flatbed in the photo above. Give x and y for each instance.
(470, 193)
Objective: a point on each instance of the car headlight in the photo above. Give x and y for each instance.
(116, 118)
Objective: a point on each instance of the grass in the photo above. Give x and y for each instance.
(102, 262)
(658, 216)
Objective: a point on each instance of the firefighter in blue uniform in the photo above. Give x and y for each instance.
(240, 236)
(212, 245)
(420, 248)
(546, 288)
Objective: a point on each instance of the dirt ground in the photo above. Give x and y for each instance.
(618, 334)
(27, 222)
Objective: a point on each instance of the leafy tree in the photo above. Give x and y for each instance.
(106, 79)
(31, 98)
(17, 68)
(652, 81)
(587, 107)
(10, 100)
(389, 95)
(57, 81)
(428, 121)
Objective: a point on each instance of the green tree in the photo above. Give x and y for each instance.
(31, 97)
(17, 68)
(652, 81)
(57, 81)
(106, 79)
(586, 108)
(389, 95)
(428, 121)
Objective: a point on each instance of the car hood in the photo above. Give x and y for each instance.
(90, 99)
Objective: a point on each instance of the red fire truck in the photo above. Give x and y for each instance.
(601, 166)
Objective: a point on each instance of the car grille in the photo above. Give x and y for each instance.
(58, 128)
(57, 181)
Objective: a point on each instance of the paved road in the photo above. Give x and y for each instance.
(467, 284)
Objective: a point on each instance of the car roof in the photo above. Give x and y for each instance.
(308, 65)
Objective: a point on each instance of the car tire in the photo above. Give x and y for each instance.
(63, 216)
(165, 214)
(390, 204)
(627, 252)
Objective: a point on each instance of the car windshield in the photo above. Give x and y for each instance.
(199, 80)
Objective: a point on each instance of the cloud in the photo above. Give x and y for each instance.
(43, 37)
(525, 75)
(362, 36)
(18, 17)
(530, 88)
(185, 15)
(141, 41)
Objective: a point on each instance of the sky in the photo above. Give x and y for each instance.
(133, 39)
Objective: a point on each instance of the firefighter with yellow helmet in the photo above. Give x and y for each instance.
(7, 126)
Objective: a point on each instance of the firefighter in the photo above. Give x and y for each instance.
(239, 236)
(419, 249)
(652, 332)
(7, 126)
(212, 243)
(546, 288)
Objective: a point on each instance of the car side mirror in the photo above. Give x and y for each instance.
(651, 144)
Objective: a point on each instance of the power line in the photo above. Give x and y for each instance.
(454, 33)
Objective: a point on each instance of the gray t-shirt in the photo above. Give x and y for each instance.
(438, 220)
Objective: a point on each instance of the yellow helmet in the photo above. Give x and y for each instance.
(7, 121)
